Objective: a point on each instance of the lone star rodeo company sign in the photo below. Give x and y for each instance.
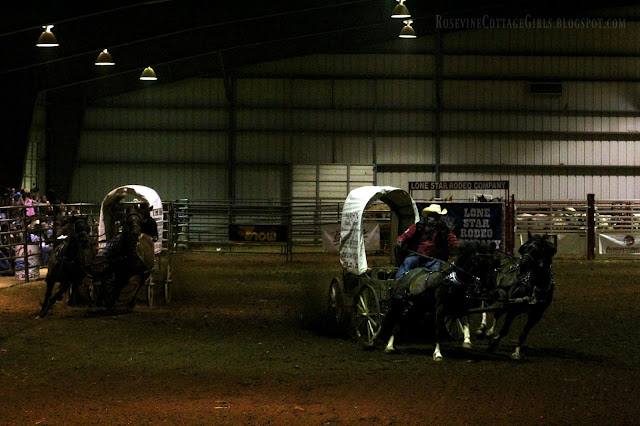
(473, 221)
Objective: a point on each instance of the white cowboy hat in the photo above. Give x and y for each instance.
(434, 208)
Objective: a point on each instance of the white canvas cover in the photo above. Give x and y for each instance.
(352, 249)
(106, 227)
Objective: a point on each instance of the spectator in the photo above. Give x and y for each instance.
(17, 202)
(28, 202)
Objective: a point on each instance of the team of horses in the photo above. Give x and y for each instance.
(125, 259)
(480, 280)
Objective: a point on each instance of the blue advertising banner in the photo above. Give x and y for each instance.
(473, 221)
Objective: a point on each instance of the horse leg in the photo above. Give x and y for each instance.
(62, 289)
(142, 280)
(466, 332)
(482, 328)
(508, 320)
(113, 287)
(440, 328)
(51, 282)
(437, 355)
(533, 318)
(489, 332)
(389, 348)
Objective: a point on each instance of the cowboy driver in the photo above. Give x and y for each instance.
(427, 241)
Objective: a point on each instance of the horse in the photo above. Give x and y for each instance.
(128, 255)
(442, 294)
(524, 290)
(68, 262)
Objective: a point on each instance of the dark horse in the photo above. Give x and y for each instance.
(69, 261)
(128, 255)
(442, 294)
(524, 290)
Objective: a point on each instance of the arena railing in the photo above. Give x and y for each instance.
(27, 241)
(205, 225)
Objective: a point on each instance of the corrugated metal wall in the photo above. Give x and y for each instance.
(172, 138)
(378, 110)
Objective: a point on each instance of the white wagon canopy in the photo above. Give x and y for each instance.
(352, 246)
(130, 193)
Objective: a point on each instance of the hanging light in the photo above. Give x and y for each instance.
(47, 39)
(104, 58)
(148, 74)
(401, 11)
(407, 31)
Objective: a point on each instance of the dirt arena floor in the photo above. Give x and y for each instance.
(242, 342)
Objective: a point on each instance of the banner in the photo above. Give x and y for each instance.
(619, 244)
(258, 233)
(460, 185)
(331, 237)
(33, 261)
(473, 221)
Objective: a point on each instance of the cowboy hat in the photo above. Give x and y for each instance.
(434, 208)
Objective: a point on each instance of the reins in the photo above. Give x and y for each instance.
(451, 265)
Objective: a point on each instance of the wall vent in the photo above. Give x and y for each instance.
(545, 88)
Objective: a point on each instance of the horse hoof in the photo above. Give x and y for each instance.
(389, 350)
(438, 358)
(515, 356)
(466, 345)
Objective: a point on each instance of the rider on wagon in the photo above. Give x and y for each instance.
(427, 241)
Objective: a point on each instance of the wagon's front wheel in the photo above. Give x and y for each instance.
(367, 315)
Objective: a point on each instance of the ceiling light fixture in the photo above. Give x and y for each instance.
(407, 31)
(148, 74)
(105, 58)
(47, 39)
(401, 11)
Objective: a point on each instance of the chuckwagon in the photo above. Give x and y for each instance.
(112, 210)
(128, 255)
(359, 300)
(364, 300)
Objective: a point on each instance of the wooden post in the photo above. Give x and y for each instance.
(591, 227)
(393, 236)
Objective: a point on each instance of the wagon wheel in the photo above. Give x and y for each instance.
(454, 328)
(368, 318)
(335, 305)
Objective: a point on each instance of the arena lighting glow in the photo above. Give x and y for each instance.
(47, 39)
(407, 31)
(401, 11)
(148, 74)
(104, 58)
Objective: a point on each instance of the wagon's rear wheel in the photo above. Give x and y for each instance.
(335, 306)
(367, 315)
